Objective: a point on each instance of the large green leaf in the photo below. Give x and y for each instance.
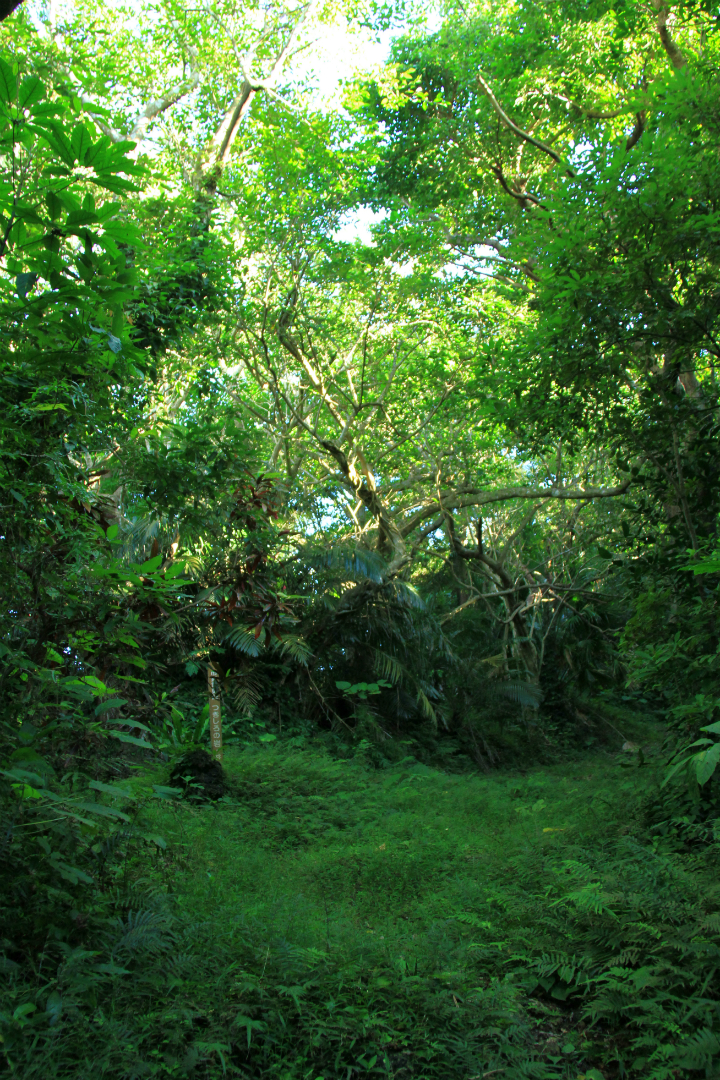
(100, 810)
(706, 763)
(132, 739)
(8, 82)
(31, 91)
(81, 142)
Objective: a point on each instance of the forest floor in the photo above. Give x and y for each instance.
(340, 921)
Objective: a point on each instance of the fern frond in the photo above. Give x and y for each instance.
(356, 564)
(469, 919)
(145, 931)
(699, 1050)
(387, 666)
(243, 638)
(246, 693)
(296, 648)
(408, 594)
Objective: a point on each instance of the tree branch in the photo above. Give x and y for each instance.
(160, 105)
(592, 114)
(477, 497)
(637, 131)
(211, 163)
(519, 131)
(677, 58)
(372, 502)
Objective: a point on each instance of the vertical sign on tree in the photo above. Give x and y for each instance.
(215, 715)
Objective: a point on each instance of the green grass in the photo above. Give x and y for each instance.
(321, 851)
(330, 920)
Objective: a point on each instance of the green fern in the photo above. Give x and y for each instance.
(246, 692)
(698, 1051)
(243, 638)
(387, 666)
(295, 648)
(143, 932)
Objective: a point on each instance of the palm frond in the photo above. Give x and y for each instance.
(296, 648)
(426, 708)
(408, 594)
(387, 666)
(521, 692)
(355, 564)
(243, 638)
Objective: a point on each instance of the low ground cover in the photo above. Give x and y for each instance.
(328, 919)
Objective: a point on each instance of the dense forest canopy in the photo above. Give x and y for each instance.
(448, 491)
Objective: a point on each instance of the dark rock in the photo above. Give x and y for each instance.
(200, 776)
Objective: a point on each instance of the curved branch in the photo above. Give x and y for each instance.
(160, 105)
(637, 131)
(519, 131)
(465, 497)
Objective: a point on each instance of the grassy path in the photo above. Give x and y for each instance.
(345, 922)
(318, 849)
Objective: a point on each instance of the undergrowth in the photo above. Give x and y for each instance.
(330, 920)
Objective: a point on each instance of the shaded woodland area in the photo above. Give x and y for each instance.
(394, 402)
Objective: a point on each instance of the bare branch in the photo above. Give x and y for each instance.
(211, 163)
(287, 49)
(522, 196)
(461, 607)
(637, 131)
(592, 114)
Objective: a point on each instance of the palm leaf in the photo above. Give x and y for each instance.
(522, 693)
(243, 638)
(355, 564)
(296, 648)
(408, 594)
(387, 666)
